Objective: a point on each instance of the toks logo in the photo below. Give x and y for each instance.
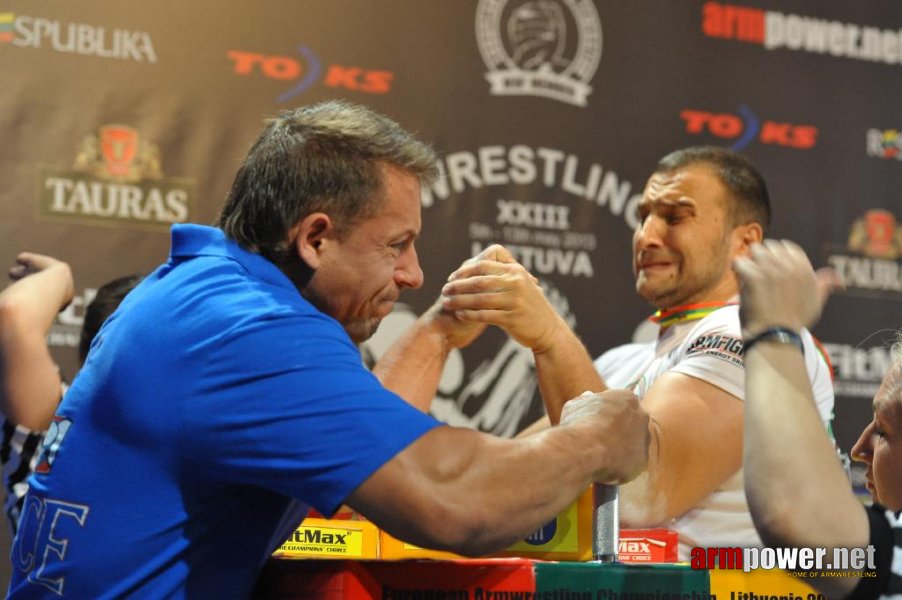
(746, 127)
(116, 178)
(307, 71)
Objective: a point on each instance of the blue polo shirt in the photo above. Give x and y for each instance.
(215, 406)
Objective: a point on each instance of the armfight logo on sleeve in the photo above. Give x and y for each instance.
(724, 347)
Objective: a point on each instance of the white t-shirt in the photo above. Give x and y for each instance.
(709, 349)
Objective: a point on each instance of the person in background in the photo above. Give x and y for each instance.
(30, 382)
(798, 493)
(227, 395)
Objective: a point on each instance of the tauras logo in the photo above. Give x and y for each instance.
(870, 264)
(79, 38)
(116, 178)
(548, 48)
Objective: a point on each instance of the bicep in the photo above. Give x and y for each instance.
(699, 439)
(405, 495)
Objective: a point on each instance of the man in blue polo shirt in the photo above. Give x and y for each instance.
(227, 395)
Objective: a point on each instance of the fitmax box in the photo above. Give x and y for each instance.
(567, 537)
(331, 538)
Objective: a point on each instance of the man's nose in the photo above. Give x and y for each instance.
(649, 232)
(408, 272)
(863, 450)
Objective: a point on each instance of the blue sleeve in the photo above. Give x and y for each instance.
(289, 406)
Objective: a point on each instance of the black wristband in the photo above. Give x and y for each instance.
(781, 335)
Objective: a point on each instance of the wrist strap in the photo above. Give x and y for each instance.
(782, 335)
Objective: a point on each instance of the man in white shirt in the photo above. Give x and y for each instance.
(701, 208)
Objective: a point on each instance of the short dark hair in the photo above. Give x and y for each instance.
(328, 158)
(751, 202)
(108, 298)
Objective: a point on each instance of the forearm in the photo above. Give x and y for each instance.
(29, 379)
(565, 370)
(644, 500)
(412, 366)
(785, 447)
(488, 492)
(34, 301)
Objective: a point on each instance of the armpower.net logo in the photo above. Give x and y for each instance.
(799, 33)
(805, 562)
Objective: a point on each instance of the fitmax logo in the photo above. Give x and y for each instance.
(308, 70)
(747, 127)
(315, 536)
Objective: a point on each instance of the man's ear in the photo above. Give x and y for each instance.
(309, 235)
(746, 235)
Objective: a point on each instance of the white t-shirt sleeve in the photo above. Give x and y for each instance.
(712, 352)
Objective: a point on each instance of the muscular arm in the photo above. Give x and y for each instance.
(29, 379)
(785, 443)
(490, 289)
(786, 448)
(497, 290)
(412, 366)
(695, 445)
(564, 370)
(460, 490)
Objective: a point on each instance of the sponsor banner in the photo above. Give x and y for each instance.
(745, 127)
(802, 33)
(84, 39)
(321, 538)
(115, 180)
(648, 546)
(546, 49)
(305, 69)
(839, 562)
(884, 144)
(858, 369)
(870, 264)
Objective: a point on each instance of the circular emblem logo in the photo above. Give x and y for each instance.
(548, 48)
